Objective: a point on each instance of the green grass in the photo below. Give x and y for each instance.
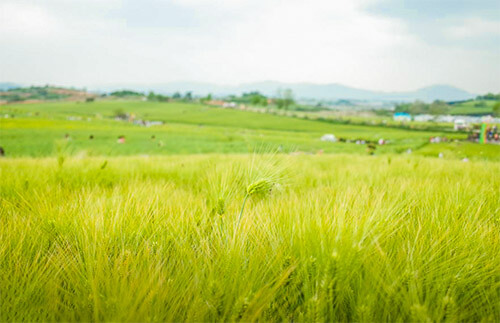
(337, 238)
(190, 227)
(38, 130)
(471, 108)
(461, 150)
(195, 114)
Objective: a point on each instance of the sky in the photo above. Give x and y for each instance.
(384, 45)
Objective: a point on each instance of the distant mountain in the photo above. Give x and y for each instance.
(7, 86)
(435, 92)
(304, 91)
(338, 91)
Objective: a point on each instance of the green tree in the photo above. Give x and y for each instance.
(255, 100)
(288, 97)
(157, 97)
(439, 107)
(125, 93)
(284, 99)
(418, 107)
(489, 96)
(403, 107)
(207, 98)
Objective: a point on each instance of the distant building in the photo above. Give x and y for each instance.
(216, 102)
(423, 117)
(460, 124)
(402, 116)
(230, 105)
(445, 118)
(467, 119)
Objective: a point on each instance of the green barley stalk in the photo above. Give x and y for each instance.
(260, 187)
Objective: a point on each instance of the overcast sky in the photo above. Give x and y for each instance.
(379, 45)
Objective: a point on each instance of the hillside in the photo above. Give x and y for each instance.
(39, 94)
(153, 128)
(473, 107)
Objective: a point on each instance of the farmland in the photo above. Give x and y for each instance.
(227, 215)
(48, 129)
(474, 107)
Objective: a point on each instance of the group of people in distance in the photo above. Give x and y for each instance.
(492, 135)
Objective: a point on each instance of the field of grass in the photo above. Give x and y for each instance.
(184, 222)
(321, 238)
(461, 150)
(475, 107)
(39, 130)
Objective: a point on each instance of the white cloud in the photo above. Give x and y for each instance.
(93, 42)
(24, 19)
(301, 42)
(474, 27)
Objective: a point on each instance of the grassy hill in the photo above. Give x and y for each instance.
(41, 94)
(41, 130)
(473, 107)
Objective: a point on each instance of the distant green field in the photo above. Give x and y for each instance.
(40, 129)
(195, 114)
(461, 150)
(474, 107)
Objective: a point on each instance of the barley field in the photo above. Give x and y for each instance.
(48, 129)
(249, 237)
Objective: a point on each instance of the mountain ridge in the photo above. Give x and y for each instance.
(303, 90)
(5, 86)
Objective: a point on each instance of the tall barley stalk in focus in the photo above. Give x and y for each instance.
(266, 176)
(260, 187)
